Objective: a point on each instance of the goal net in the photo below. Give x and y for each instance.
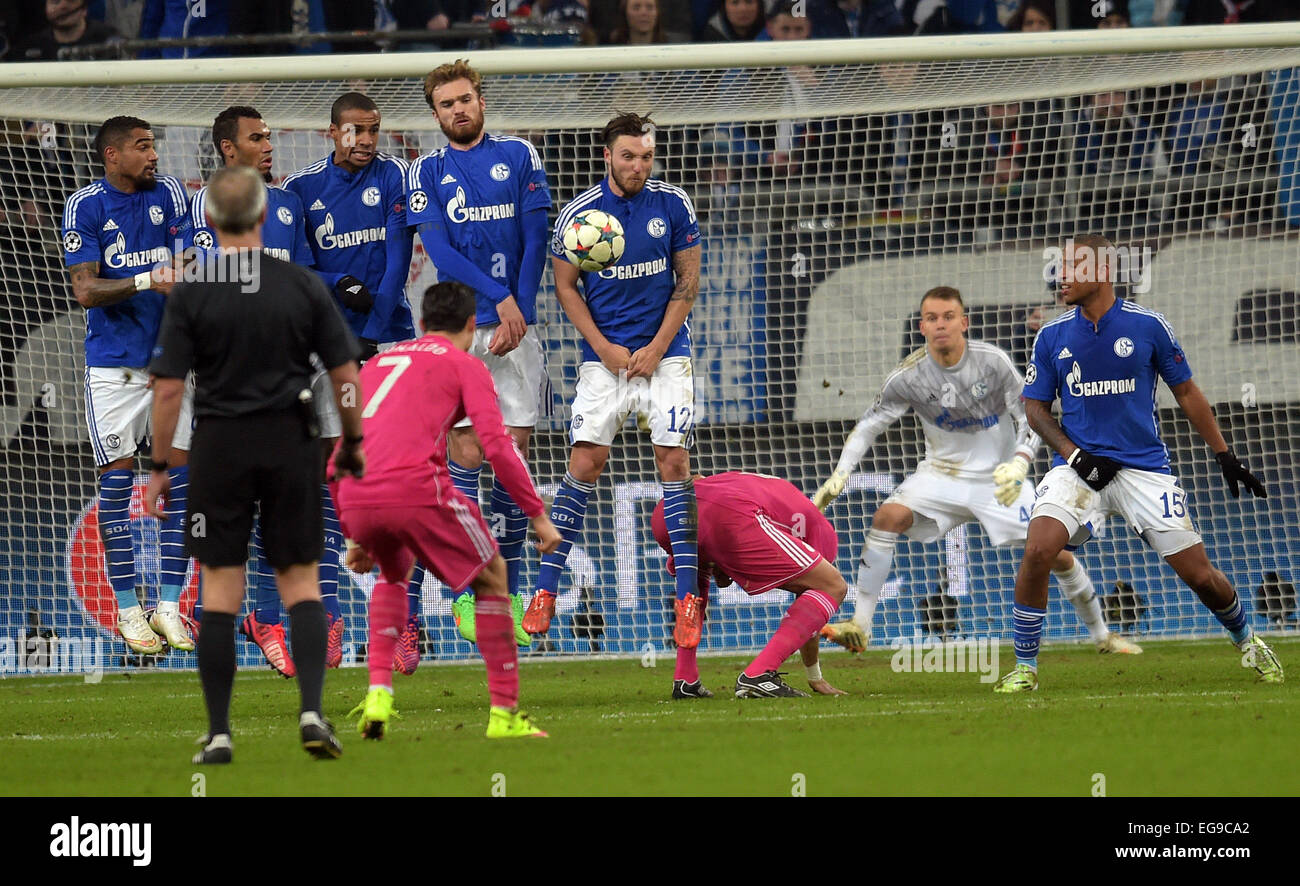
(835, 183)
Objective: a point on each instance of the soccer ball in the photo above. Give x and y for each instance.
(593, 240)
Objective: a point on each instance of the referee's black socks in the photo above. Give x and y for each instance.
(309, 633)
(216, 652)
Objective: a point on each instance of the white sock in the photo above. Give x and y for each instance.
(1077, 588)
(877, 558)
(166, 606)
(128, 611)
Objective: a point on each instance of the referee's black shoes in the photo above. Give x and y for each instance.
(216, 749)
(318, 736)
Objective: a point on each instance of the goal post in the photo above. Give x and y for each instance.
(835, 182)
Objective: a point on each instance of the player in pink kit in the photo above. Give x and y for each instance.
(763, 533)
(406, 506)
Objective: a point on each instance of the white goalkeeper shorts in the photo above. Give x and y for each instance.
(520, 377)
(940, 501)
(119, 405)
(1150, 502)
(664, 404)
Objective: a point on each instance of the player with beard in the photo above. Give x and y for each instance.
(117, 241)
(480, 204)
(636, 357)
(355, 205)
(242, 138)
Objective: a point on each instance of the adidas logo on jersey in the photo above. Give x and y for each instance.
(110, 225)
(447, 179)
(1064, 355)
(317, 206)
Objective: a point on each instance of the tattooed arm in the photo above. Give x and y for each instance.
(94, 291)
(686, 269)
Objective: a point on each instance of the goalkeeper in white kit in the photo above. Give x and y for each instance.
(975, 462)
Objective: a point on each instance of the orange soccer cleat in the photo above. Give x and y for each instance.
(537, 620)
(406, 657)
(690, 623)
(270, 638)
(334, 643)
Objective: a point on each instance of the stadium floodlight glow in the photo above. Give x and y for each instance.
(816, 252)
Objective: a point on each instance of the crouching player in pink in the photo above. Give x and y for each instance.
(763, 533)
(405, 507)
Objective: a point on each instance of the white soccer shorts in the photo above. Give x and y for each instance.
(665, 402)
(322, 393)
(520, 377)
(185, 419)
(119, 405)
(1152, 503)
(940, 501)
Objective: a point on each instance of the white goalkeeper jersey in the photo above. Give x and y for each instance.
(966, 412)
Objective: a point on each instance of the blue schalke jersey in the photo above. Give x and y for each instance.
(477, 200)
(127, 234)
(356, 224)
(628, 301)
(1106, 379)
(283, 236)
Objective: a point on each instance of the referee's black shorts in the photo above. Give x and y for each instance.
(237, 464)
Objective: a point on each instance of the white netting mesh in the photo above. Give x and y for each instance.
(830, 198)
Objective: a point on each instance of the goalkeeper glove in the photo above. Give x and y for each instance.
(1096, 470)
(1234, 471)
(354, 295)
(846, 634)
(830, 490)
(1009, 477)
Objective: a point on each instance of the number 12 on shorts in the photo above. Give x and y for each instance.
(1174, 500)
(679, 419)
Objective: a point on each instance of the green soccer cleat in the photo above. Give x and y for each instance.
(1022, 679)
(462, 612)
(523, 639)
(375, 712)
(1256, 654)
(505, 723)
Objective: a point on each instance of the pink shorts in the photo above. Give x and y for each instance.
(760, 553)
(451, 539)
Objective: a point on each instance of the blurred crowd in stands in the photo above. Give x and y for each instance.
(35, 30)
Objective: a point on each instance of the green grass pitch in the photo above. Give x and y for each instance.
(1183, 719)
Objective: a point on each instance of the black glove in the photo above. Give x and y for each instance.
(1096, 470)
(1234, 472)
(369, 347)
(354, 294)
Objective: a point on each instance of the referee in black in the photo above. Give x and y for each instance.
(247, 328)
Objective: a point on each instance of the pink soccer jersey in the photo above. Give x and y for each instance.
(759, 529)
(413, 394)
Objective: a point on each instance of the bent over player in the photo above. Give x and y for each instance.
(763, 533)
(967, 394)
(406, 506)
(636, 355)
(1102, 359)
